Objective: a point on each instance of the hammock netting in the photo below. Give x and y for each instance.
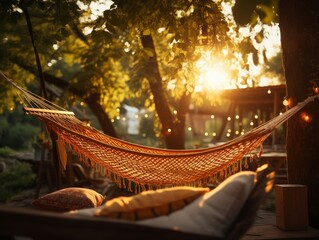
(127, 163)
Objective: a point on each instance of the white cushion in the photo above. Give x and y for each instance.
(212, 213)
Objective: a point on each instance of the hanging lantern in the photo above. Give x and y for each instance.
(203, 35)
(207, 34)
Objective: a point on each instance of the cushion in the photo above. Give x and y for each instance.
(89, 212)
(69, 199)
(149, 204)
(212, 213)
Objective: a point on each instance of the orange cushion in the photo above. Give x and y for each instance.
(69, 199)
(150, 204)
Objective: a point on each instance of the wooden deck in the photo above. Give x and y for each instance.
(265, 223)
(265, 228)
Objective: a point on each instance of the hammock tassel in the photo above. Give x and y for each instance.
(141, 165)
(62, 153)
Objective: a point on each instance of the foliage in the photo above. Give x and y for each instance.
(100, 58)
(5, 152)
(15, 179)
(20, 136)
(250, 12)
(18, 131)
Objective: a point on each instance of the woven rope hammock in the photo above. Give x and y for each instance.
(147, 167)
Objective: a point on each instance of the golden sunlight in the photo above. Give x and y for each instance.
(215, 71)
(213, 74)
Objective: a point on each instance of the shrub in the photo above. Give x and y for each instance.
(21, 136)
(5, 152)
(17, 130)
(15, 179)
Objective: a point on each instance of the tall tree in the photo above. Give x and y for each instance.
(166, 41)
(154, 43)
(112, 36)
(299, 25)
(81, 65)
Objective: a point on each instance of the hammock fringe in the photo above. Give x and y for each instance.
(137, 168)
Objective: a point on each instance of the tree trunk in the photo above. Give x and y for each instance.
(173, 127)
(299, 26)
(107, 127)
(92, 101)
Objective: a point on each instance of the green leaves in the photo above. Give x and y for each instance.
(259, 37)
(19, 177)
(266, 13)
(246, 11)
(101, 36)
(243, 11)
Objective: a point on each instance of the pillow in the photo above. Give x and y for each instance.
(149, 204)
(212, 213)
(69, 199)
(89, 212)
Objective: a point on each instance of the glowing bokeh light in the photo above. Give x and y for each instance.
(213, 74)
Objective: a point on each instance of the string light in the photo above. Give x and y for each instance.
(306, 117)
(168, 131)
(287, 102)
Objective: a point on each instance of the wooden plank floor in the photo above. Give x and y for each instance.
(265, 228)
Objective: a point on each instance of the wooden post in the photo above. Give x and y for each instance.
(291, 207)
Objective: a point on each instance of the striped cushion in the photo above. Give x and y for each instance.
(150, 204)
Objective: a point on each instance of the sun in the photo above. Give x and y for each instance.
(213, 74)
